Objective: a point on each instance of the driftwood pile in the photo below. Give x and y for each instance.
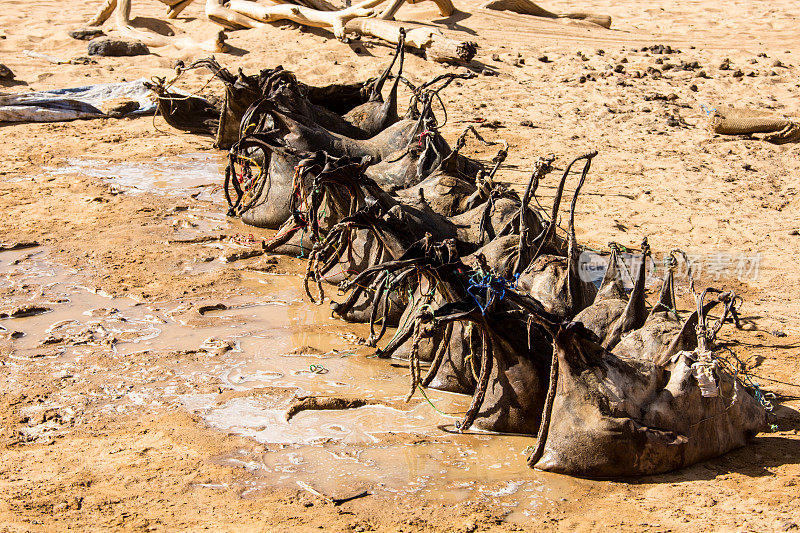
(484, 290)
(360, 19)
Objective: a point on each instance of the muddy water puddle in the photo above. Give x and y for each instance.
(251, 357)
(194, 175)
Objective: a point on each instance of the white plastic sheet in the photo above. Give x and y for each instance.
(70, 104)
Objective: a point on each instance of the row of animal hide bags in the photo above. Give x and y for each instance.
(482, 287)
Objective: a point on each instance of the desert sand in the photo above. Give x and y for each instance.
(99, 432)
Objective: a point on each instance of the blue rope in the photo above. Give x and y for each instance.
(494, 288)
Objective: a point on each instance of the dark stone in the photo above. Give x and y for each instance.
(82, 60)
(5, 73)
(660, 49)
(116, 48)
(673, 121)
(86, 34)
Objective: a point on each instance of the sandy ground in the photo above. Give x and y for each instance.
(78, 450)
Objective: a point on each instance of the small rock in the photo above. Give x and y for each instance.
(518, 62)
(725, 65)
(82, 60)
(5, 73)
(544, 59)
(489, 72)
(778, 64)
(119, 107)
(673, 121)
(738, 73)
(693, 88)
(117, 48)
(702, 74)
(527, 124)
(600, 52)
(795, 232)
(619, 69)
(660, 49)
(214, 346)
(778, 334)
(495, 57)
(492, 124)
(86, 34)
(102, 311)
(654, 73)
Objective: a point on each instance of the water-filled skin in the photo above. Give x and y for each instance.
(617, 417)
(291, 139)
(354, 109)
(552, 281)
(518, 382)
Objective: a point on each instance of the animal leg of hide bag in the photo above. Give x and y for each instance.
(375, 115)
(613, 313)
(555, 280)
(607, 417)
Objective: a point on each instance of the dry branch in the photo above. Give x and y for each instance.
(526, 7)
(446, 8)
(436, 45)
(335, 20)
